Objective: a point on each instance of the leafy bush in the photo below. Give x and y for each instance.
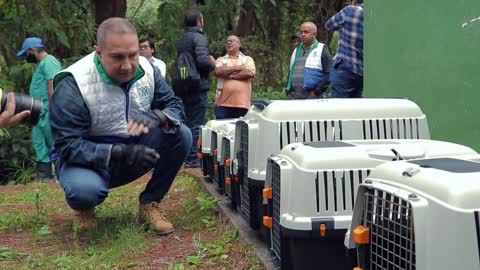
(16, 155)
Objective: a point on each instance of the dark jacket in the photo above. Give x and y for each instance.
(194, 41)
(70, 123)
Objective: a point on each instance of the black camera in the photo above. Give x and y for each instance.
(23, 102)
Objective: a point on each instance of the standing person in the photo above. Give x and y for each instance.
(235, 72)
(347, 81)
(147, 50)
(114, 118)
(194, 41)
(295, 39)
(309, 66)
(41, 87)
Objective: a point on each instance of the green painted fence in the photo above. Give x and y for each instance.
(428, 51)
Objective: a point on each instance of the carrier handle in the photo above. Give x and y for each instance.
(261, 103)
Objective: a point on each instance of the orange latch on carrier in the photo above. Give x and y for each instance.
(228, 181)
(357, 268)
(200, 155)
(199, 142)
(228, 162)
(361, 235)
(215, 168)
(323, 229)
(267, 193)
(267, 221)
(215, 152)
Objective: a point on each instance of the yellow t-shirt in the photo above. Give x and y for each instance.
(236, 93)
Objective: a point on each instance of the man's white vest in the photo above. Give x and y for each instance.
(109, 105)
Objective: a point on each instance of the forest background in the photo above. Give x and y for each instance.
(68, 30)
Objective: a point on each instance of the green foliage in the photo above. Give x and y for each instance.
(177, 266)
(198, 209)
(125, 242)
(334, 43)
(16, 156)
(207, 254)
(6, 253)
(66, 27)
(17, 218)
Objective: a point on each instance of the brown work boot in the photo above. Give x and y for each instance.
(87, 220)
(151, 214)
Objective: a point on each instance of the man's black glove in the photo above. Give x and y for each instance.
(150, 118)
(135, 155)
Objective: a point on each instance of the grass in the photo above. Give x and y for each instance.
(199, 210)
(120, 242)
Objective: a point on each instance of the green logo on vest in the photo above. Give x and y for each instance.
(183, 72)
(143, 91)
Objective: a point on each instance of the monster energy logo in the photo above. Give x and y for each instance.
(183, 72)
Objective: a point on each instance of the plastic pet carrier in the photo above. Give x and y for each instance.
(207, 144)
(226, 129)
(232, 189)
(418, 215)
(265, 130)
(311, 188)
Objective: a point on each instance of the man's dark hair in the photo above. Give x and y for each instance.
(191, 17)
(359, 1)
(151, 42)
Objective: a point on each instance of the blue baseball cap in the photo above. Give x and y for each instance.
(31, 42)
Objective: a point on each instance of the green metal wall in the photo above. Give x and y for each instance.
(428, 51)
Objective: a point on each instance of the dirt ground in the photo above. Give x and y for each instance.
(162, 251)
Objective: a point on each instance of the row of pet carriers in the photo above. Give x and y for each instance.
(265, 131)
(310, 192)
(207, 144)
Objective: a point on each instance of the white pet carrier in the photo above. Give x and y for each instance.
(207, 144)
(226, 157)
(227, 129)
(420, 214)
(265, 131)
(311, 188)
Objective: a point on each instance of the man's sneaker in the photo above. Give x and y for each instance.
(151, 214)
(85, 220)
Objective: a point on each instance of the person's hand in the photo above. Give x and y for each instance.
(144, 121)
(291, 95)
(212, 59)
(134, 155)
(8, 117)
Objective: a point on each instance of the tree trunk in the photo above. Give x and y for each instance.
(105, 9)
(326, 9)
(246, 23)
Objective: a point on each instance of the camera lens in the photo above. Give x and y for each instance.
(23, 102)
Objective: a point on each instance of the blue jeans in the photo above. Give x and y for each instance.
(86, 188)
(222, 112)
(345, 83)
(195, 108)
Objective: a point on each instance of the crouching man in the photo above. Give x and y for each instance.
(113, 119)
